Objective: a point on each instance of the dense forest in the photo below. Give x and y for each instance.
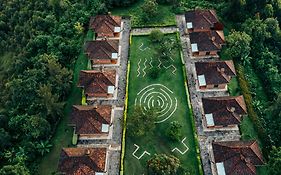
(255, 45)
(41, 39)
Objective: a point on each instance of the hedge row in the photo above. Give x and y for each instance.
(125, 122)
(245, 88)
(192, 122)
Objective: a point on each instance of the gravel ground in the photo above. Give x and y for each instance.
(114, 143)
(205, 138)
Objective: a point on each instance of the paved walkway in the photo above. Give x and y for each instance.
(142, 31)
(114, 143)
(205, 138)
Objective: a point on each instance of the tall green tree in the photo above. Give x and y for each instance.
(17, 169)
(141, 123)
(238, 45)
(162, 164)
(149, 9)
(274, 162)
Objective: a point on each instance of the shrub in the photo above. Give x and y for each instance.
(156, 36)
(154, 73)
(174, 131)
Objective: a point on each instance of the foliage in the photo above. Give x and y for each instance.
(149, 9)
(141, 123)
(274, 118)
(43, 147)
(174, 131)
(156, 36)
(44, 38)
(275, 161)
(238, 45)
(14, 170)
(162, 164)
(154, 73)
(245, 89)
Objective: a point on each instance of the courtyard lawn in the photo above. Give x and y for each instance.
(64, 134)
(157, 142)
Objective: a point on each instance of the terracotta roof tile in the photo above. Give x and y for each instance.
(101, 49)
(225, 110)
(82, 161)
(216, 72)
(89, 119)
(207, 41)
(203, 19)
(239, 157)
(104, 23)
(96, 82)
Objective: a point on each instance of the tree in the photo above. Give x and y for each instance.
(43, 147)
(174, 131)
(268, 11)
(274, 114)
(79, 27)
(156, 36)
(238, 45)
(273, 27)
(32, 127)
(154, 73)
(17, 169)
(274, 162)
(5, 139)
(141, 123)
(50, 103)
(162, 164)
(149, 9)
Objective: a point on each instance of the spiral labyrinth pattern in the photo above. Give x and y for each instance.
(160, 98)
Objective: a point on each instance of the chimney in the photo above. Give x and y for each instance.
(87, 152)
(213, 38)
(109, 13)
(221, 70)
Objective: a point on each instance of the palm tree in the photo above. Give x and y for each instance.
(44, 147)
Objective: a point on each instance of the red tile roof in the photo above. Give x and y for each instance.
(203, 19)
(82, 161)
(89, 119)
(101, 49)
(207, 41)
(238, 157)
(104, 23)
(96, 82)
(216, 72)
(225, 110)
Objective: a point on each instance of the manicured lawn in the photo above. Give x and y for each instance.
(63, 134)
(157, 142)
(165, 16)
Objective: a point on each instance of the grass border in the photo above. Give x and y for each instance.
(125, 122)
(199, 161)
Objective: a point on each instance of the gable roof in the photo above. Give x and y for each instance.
(104, 23)
(101, 49)
(207, 41)
(216, 72)
(238, 157)
(90, 119)
(225, 110)
(82, 161)
(201, 19)
(96, 82)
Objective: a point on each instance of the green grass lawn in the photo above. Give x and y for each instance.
(157, 142)
(63, 134)
(165, 16)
